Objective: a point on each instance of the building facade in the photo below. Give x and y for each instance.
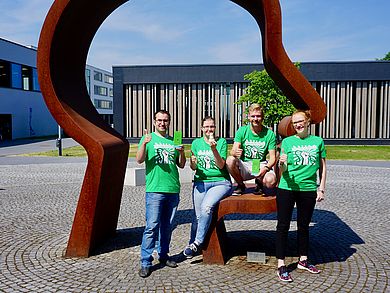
(23, 112)
(100, 89)
(357, 95)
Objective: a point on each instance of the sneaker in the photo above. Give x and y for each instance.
(305, 265)
(191, 250)
(284, 275)
(259, 187)
(144, 272)
(240, 189)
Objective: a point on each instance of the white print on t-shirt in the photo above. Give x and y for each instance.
(165, 153)
(304, 155)
(206, 159)
(254, 149)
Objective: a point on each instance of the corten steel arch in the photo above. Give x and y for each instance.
(66, 36)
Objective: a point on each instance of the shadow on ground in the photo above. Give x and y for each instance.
(332, 240)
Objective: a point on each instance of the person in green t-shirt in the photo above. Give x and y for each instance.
(211, 182)
(248, 157)
(302, 156)
(161, 159)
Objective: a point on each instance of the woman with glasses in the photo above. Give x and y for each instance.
(211, 182)
(302, 155)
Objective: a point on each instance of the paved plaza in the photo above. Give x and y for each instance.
(349, 238)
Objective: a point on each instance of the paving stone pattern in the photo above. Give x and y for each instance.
(349, 239)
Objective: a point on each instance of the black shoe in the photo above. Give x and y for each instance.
(169, 263)
(259, 187)
(240, 189)
(144, 272)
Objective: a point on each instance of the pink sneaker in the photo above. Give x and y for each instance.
(304, 265)
(284, 275)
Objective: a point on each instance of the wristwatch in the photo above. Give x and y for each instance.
(321, 190)
(268, 168)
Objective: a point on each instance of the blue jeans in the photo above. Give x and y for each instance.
(160, 209)
(205, 196)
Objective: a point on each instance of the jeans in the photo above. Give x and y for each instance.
(285, 201)
(160, 210)
(205, 196)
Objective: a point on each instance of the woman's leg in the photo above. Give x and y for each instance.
(215, 191)
(306, 201)
(198, 194)
(285, 204)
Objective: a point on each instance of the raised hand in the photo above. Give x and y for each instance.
(193, 159)
(238, 153)
(148, 136)
(282, 158)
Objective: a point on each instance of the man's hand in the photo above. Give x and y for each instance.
(237, 153)
(148, 137)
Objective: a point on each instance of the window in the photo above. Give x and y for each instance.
(97, 76)
(108, 79)
(102, 104)
(100, 90)
(27, 77)
(111, 92)
(5, 78)
(16, 76)
(35, 82)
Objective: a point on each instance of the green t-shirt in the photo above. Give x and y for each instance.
(255, 146)
(206, 169)
(161, 169)
(303, 161)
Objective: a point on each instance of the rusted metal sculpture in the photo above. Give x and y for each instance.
(62, 53)
(66, 36)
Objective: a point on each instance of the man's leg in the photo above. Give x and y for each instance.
(170, 204)
(232, 166)
(153, 212)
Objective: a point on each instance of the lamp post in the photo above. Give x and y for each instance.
(59, 141)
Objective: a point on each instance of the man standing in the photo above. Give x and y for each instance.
(252, 143)
(161, 159)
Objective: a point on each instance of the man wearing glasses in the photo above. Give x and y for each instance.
(161, 159)
(248, 157)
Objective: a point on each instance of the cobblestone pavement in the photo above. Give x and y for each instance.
(349, 239)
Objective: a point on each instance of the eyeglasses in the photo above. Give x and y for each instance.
(209, 126)
(256, 116)
(162, 120)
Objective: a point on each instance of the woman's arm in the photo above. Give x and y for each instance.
(322, 175)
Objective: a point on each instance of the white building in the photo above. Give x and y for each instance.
(23, 112)
(100, 88)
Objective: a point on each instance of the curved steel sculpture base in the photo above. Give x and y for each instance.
(66, 36)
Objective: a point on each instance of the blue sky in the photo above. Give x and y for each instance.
(216, 31)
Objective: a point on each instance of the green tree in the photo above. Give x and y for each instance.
(386, 58)
(263, 90)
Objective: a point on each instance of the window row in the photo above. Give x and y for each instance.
(103, 91)
(97, 75)
(102, 104)
(18, 76)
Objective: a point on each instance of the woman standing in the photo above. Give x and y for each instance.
(302, 155)
(211, 182)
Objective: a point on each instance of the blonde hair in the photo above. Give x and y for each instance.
(254, 107)
(305, 113)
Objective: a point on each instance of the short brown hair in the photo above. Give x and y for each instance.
(162, 112)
